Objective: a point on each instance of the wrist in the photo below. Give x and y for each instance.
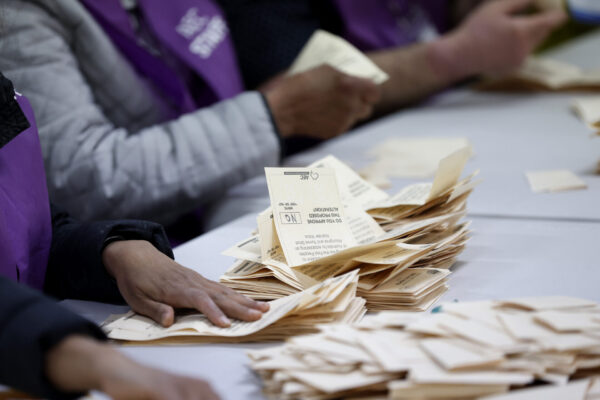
(449, 59)
(115, 253)
(78, 364)
(282, 113)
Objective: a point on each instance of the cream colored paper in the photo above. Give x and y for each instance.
(332, 295)
(542, 303)
(354, 190)
(572, 391)
(588, 109)
(326, 48)
(411, 157)
(554, 181)
(309, 216)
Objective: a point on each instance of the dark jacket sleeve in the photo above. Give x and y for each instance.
(30, 325)
(75, 268)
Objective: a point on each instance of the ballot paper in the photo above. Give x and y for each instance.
(332, 300)
(588, 109)
(318, 227)
(326, 48)
(411, 157)
(354, 190)
(454, 354)
(308, 213)
(445, 182)
(554, 181)
(547, 74)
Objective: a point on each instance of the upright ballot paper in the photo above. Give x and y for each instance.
(326, 48)
(309, 216)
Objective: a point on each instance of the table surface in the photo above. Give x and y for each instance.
(505, 258)
(522, 245)
(511, 134)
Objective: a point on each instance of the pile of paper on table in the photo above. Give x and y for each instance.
(526, 348)
(333, 300)
(540, 73)
(325, 220)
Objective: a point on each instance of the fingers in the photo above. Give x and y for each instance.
(512, 6)
(237, 310)
(230, 303)
(202, 302)
(248, 302)
(538, 26)
(159, 312)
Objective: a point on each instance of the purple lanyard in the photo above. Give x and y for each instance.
(25, 222)
(192, 38)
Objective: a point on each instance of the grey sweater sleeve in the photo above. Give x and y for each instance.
(98, 170)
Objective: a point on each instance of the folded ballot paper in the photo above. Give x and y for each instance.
(333, 300)
(540, 73)
(326, 48)
(519, 349)
(325, 220)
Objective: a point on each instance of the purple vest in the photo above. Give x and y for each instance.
(182, 47)
(25, 225)
(380, 24)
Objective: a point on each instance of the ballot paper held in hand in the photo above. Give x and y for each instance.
(326, 48)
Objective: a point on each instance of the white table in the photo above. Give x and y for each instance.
(511, 134)
(505, 258)
(523, 244)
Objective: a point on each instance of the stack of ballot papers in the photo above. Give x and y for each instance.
(539, 73)
(325, 220)
(326, 48)
(524, 348)
(333, 300)
(412, 157)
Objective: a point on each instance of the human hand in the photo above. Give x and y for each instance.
(495, 39)
(153, 284)
(320, 103)
(80, 364)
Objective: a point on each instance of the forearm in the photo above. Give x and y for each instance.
(31, 325)
(418, 71)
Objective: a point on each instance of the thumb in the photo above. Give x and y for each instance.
(159, 312)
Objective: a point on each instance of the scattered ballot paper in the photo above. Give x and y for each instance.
(333, 300)
(326, 48)
(588, 109)
(465, 351)
(554, 181)
(539, 73)
(325, 220)
(411, 157)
